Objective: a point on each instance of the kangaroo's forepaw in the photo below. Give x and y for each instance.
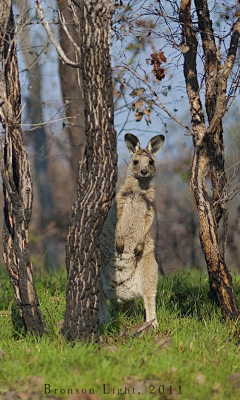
(139, 249)
(120, 244)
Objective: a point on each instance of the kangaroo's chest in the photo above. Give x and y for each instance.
(133, 215)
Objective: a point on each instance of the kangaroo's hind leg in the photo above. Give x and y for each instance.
(149, 276)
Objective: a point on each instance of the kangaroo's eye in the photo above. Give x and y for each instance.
(135, 162)
(151, 162)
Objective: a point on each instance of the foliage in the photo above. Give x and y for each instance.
(144, 29)
(194, 348)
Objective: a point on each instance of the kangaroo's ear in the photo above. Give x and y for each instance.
(132, 143)
(155, 144)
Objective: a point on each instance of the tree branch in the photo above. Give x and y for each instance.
(221, 104)
(157, 97)
(211, 63)
(47, 28)
(190, 69)
(227, 68)
(63, 22)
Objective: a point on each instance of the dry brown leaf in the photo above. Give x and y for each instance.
(217, 387)
(10, 394)
(138, 116)
(24, 395)
(156, 60)
(234, 377)
(235, 380)
(172, 394)
(139, 104)
(77, 370)
(162, 56)
(147, 112)
(200, 379)
(159, 73)
(111, 349)
(35, 381)
(163, 343)
(136, 92)
(28, 350)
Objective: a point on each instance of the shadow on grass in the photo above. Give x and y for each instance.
(187, 293)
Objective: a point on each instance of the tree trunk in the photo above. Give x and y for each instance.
(71, 83)
(39, 136)
(208, 147)
(97, 173)
(17, 179)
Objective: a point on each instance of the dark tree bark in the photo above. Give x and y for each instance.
(208, 145)
(17, 179)
(97, 173)
(39, 137)
(72, 91)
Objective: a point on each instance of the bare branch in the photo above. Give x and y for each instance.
(46, 25)
(227, 68)
(75, 17)
(160, 105)
(221, 105)
(211, 64)
(63, 22)
(190, 69)
(226, 198)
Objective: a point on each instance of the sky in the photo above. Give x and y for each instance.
(174, 99)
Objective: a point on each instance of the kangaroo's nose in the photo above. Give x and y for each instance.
(144, 171)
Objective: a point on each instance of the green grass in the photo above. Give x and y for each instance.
(195, 351)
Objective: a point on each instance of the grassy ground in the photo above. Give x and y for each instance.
(194, 355)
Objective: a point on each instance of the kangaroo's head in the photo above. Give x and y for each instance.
(142, 164)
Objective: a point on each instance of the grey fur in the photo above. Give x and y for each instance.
(128, 266)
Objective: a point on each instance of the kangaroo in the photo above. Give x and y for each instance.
(128, 266)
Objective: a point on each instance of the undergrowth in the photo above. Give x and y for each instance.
(195, 354)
